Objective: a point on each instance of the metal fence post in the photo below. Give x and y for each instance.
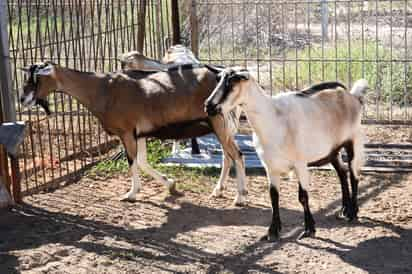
(194, 31)
(325, 19)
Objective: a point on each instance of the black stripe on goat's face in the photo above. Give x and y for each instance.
(223, 97)
(32, 94)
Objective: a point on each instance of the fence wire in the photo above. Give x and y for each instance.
(286, 44)
(292, 44)
(85, 35)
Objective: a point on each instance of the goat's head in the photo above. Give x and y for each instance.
(40, 81)
(229, 91)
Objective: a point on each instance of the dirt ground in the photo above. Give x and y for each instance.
(83, 228)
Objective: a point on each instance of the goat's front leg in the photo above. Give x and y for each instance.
(275, 226)
(144, 166)
(304, 180)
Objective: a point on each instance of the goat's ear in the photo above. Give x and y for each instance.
(25, 69)
(47, 70)
(214, 69)
(50, 63)
(243, 75)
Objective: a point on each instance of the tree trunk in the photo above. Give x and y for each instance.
(5, 198)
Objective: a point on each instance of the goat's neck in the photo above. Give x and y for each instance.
(257, 108)
(86, 87)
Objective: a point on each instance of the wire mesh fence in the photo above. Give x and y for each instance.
(85, 35)
(286, 44)
(291, 44)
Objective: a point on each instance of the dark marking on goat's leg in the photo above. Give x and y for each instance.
(129, 160)
(195, 146)
(353, 209)
(343, 178)
(309, 222)
(276, 226)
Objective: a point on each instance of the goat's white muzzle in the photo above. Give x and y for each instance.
(28, 100)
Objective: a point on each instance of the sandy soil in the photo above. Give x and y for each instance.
(83, 228)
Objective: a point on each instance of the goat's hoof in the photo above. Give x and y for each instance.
(127, 198)
(270, 238)
(217, 192)
(240, 200)
(347, 215)
(308, 233)
(173, 191)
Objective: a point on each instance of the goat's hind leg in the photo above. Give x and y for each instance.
(231, 152)
(304, 180)
(144, 166)
(220, 186)
(343, 178)
(354, 149)
(130, 147)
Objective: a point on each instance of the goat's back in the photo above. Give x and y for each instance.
(160, 98)
(312, 126)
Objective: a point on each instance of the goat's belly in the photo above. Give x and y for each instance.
(271, 157)
(183, 130)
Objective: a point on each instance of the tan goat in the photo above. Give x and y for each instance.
(134, 105)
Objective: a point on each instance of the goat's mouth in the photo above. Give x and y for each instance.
(28, 100)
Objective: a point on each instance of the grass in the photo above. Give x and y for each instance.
(390, 79)
(366, 60)
(188, 178)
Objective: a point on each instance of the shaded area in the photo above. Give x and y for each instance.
(157, 245)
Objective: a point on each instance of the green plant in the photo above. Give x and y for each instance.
(362, 60)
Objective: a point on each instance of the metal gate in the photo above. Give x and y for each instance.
(85, 35)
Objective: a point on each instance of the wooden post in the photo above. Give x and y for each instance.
(7, 102)
(175, 22)
(159, 41)
(194, 31)
(7, 97)
(5, 199)
(141, 26)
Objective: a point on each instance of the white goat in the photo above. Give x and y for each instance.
(295, 130)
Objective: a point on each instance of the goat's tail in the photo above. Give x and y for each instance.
(359, 88)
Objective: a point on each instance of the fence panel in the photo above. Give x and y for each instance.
(85, 35)
(291, 44)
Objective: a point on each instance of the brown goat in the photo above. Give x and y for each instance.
(175, 55)
(134, 105)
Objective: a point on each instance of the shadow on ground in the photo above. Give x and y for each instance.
(27, 227)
